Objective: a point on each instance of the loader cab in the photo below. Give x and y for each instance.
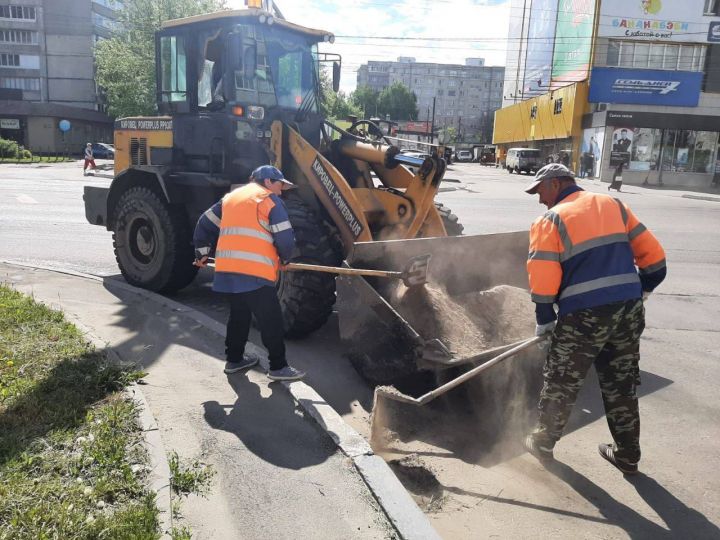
(225, 77)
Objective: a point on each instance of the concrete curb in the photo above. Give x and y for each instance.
(159, 474)
(701, 197)
(407, 518)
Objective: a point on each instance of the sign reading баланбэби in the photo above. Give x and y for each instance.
(645, 86)
(658, 20)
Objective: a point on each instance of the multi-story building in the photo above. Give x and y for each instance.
(463, 96)
(627, 87)
(47, 72)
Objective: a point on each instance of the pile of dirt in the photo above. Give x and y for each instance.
(467, 324)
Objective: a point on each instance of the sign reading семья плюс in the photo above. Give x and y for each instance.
(645, 87)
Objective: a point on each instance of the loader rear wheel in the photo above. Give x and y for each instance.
(452, 224)
(152, 241)
(307, 298)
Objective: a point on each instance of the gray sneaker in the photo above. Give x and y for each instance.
(288, 373)
(234, 367)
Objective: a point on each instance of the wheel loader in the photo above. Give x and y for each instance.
(238, 89)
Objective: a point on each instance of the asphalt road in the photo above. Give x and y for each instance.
(42, 222)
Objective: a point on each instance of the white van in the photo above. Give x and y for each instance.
(523, 159)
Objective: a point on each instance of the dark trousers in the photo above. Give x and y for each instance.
(609, 337)
(264, 304)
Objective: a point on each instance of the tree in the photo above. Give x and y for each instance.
(126, 63)
(398, 101)
(366, 100)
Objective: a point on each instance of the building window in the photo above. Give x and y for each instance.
(17, 12)
(9, 60)
(557, 106)
(689, 151)
(20, 83)
(451, 92)
(18, 36)
(104, 22)
(533, 112)
(671, 56)
(712, 7)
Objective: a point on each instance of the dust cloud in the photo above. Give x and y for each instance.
(470, 323)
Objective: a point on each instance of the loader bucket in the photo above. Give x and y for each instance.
(383, 345)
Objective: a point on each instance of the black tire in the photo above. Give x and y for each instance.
(307, 298)
(509, 170)
(153, 242)
(452, 224)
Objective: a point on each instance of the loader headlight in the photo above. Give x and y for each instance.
(270, 20)
(255, 112)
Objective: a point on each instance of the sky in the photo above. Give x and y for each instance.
(458, 29)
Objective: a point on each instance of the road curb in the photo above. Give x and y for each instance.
(159, 473)
(407, 518)
(701, 197)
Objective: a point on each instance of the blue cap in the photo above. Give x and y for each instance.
(271, 173)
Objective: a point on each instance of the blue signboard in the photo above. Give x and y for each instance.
(714, 32)
(645, 87)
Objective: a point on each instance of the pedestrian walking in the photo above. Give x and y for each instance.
(590, 256)
(617, 180)
(249, 233)
(89, 159)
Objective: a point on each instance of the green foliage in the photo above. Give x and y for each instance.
(365, 99)
(189, 477)
(398, 101)
(71, 462)
(126, 63)
(8, 149)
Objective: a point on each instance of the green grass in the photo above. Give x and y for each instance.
(37, 159)
(189, 476)
(71, 461)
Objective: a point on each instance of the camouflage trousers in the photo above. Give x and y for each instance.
(609, 337)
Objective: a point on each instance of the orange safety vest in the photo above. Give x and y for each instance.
(587, 250)
(245, 245)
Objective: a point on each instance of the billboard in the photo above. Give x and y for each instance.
(645, 86)
(658, 20)
(573, 41)
(539, 55)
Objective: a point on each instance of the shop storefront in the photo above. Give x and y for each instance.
(550, 123)
(661, 149)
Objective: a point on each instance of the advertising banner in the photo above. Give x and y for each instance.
(541, 37)
(645, 86)
(573, 41)
(658, 20)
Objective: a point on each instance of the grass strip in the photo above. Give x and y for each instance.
(72, 464)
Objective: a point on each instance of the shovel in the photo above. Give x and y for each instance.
(413, 274)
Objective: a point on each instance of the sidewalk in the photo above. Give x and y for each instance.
(279, 474)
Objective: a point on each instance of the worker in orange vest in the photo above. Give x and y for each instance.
(249, 233)
(593, 259)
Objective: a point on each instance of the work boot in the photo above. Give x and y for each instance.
(545, 455)
(234, 367)
(288, 373)
(607, 451)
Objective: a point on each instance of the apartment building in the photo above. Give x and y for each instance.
(465, 96)
(47, 72)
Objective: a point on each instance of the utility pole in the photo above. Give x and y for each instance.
(432, 125)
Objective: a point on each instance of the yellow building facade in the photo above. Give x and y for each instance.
(550, 122)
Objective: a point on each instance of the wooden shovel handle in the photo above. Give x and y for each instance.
(341, 270)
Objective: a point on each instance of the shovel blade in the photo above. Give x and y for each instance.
(416, 271)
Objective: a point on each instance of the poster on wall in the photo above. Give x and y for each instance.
(573, 41)
(621, 142)
(658, 20)
(591, 152)
(541, 35)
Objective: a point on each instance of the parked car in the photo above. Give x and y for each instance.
(103, 151)
(523, 159)
(415, 154)
(463, 155)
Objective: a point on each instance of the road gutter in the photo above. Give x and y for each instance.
(397, 504)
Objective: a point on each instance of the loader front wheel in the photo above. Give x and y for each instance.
(453, 227)
(153, 242)
(307, 298)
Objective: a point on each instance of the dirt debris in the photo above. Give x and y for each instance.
(470, 323)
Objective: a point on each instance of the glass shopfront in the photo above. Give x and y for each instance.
(679, 150)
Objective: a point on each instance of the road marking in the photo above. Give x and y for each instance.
(26, 199)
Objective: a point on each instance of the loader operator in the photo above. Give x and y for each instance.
(249, 233)
(591, 256)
